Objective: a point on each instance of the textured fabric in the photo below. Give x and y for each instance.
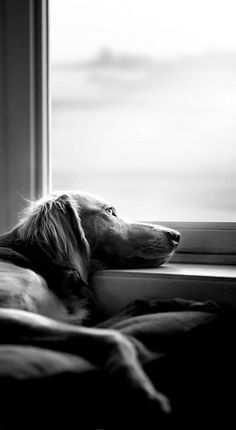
(185, 347)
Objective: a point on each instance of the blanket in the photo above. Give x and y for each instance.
(185, 347)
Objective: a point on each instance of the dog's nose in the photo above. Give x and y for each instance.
(174, 235)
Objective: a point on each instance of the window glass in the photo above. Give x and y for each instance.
(144, 105)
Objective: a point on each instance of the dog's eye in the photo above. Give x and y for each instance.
(111, 211)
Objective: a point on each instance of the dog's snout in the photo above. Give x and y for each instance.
(174, 235)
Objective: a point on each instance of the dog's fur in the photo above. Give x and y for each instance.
(48, 257)
(46, 261)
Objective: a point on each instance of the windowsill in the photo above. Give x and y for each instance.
(115, 288)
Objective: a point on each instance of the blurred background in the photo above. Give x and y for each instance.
(143, 97)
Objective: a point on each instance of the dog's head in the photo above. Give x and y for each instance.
(116, 242)
(81, 231)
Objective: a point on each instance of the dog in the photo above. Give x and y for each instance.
(46, 261)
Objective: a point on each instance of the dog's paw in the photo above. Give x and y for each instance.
(123, 363)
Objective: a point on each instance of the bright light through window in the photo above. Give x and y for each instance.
(144, 105)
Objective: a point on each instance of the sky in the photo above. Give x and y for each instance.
(80, 29)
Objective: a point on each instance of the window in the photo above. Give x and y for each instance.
(144, 105)
(24, 133)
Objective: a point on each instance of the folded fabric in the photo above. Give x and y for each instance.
(186, 348)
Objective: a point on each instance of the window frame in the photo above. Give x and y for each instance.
(27, 121)
(205, 242)
(24, 106)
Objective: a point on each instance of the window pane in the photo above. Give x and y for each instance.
(144, 105)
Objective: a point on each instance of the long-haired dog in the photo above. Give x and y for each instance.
(46, 261)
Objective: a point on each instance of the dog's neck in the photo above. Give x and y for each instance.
(9, 239)
(12, 251)
(65, 282)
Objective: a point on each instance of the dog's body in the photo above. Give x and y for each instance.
(46, 261)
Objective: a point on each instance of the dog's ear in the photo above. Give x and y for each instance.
(54, 227)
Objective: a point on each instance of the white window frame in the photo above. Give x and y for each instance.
(24, 132)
